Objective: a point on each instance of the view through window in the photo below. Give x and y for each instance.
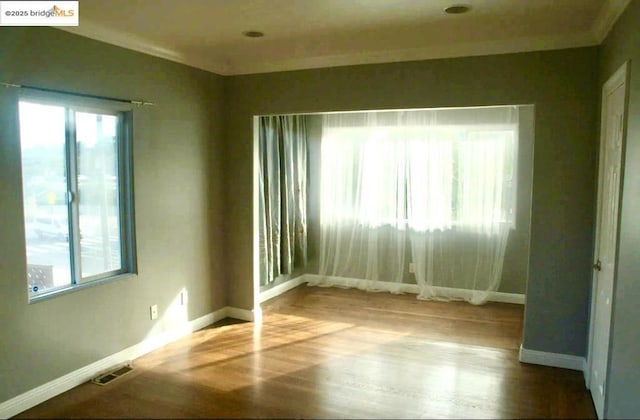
(75, 189)
(422, 177)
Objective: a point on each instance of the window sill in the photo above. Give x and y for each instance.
(77, 287)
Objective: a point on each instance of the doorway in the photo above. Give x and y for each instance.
(515, 268)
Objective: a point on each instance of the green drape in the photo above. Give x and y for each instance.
(283, 195)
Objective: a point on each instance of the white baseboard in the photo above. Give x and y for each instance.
(64, 383)
(516, 298)
(384, 286)
(243, 314)
(587, 373)
(566, 361)
(281, 288)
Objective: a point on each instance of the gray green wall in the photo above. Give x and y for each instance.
(561, 84)
(178, 205)
(623, 389)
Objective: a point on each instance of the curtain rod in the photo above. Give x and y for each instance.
(83, 95)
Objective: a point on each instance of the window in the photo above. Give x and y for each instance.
(382, 170)
(469, 172)
(76, 179)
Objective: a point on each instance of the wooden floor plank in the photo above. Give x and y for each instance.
(336, 353)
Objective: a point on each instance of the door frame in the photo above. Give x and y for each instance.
(619, 77)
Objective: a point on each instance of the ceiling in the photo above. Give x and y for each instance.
(302, 34)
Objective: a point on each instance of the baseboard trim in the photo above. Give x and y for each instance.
(35, 396)
(282, 288)
(559, 360)
(384, 286)
(243, 314)
(586, 373)
(515, 298)
(329, 281)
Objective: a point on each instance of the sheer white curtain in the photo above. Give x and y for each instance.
(435, 188)
(363, 228)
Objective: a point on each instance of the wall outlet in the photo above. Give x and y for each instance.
(153, 309)
(184, 298)
(412, 268)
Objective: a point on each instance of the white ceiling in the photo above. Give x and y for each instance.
(303, 34)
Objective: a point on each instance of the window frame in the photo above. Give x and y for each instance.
(124, 158)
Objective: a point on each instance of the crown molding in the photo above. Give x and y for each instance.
(481, 48)
(607, 17)
(92, 30)
(228, 68)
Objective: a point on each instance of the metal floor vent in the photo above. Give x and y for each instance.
(107, 377)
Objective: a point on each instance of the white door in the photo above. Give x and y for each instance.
(611, 145)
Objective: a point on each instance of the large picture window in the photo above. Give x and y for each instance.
(76, 175)
(417, 174)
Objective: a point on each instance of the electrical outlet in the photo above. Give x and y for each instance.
(412, 268)
(154, 311)
(184, 297)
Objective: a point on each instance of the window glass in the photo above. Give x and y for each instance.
(44, 186)
(428, 177)
(99, 210)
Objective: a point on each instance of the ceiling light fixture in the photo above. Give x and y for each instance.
(253, 34)
(457, 9)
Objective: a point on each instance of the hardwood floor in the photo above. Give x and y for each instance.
(335, 353)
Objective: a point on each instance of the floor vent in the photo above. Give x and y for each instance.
(107, 377)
